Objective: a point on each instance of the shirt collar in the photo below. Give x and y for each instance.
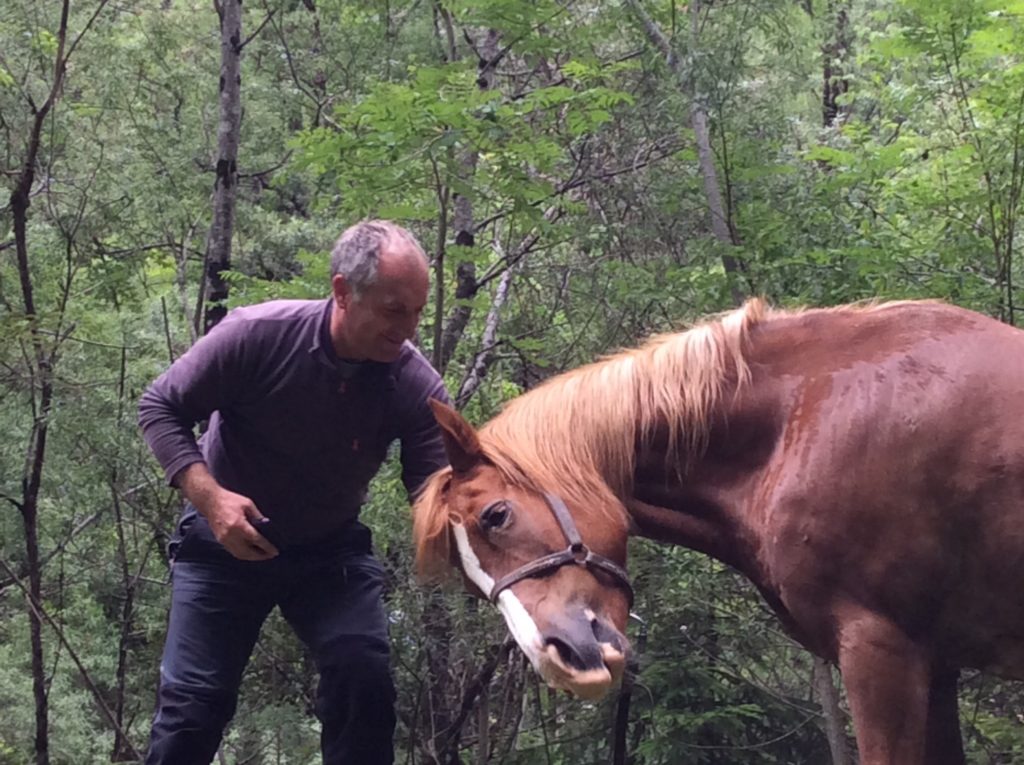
(320, 347)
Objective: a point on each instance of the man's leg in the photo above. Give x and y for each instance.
(336, 609)
(217, 608)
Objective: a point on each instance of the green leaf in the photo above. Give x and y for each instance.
(831, 155)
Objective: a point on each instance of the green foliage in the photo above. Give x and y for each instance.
(579, 167)
(395, 152)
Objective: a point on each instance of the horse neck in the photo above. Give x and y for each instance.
(700, 500)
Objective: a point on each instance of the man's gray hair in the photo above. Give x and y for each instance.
(356, 254)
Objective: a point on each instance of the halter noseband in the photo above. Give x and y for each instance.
(576, 553)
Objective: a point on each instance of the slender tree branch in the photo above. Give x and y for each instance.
(57, 550)
(41, 614)
(86, 28)
(259, 29)
(279, 29)
(484, 358)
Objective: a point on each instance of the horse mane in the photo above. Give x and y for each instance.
(430, 528)
(578, 433)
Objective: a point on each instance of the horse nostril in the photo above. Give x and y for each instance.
(573, 656)
(565, 653)
(605, 633)
(581, 641)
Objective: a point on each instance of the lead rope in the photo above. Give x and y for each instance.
(621, 727)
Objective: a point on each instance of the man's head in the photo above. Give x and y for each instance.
(379, 284)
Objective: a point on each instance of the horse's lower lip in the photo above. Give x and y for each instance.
(593, 686)
(588, 684)
(614, 660)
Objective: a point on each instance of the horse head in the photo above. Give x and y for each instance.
(554, 571)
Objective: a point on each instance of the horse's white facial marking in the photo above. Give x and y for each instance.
(522, 627)
(470, 563)
(520, 623)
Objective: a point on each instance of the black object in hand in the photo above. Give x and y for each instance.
(266, 529)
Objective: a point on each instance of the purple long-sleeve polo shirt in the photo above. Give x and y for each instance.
(291, 426)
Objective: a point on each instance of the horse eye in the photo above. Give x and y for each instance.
(495, 515)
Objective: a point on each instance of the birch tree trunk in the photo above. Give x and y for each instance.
(720, 227)
(225, 187)
(835, 53)
(466, 286)
(477, 371)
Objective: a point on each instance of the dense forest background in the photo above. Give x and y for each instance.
(582, 173)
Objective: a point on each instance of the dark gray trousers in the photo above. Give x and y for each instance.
(329, 593)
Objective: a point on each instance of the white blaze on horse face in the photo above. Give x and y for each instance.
(520, 623)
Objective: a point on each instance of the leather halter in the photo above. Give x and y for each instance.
(576, 553)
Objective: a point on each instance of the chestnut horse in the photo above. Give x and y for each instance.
(862, 466)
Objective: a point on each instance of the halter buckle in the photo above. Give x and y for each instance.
(580, 553)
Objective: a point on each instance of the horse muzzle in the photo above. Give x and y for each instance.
(582, 653)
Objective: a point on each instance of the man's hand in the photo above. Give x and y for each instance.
(230, 515)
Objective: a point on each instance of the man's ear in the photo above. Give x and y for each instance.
(341, 291)
(460, 438)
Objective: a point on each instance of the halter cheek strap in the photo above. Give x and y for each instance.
(576, 553)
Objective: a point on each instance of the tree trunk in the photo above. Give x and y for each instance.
(224, 191)
(466, 285)
(438, 629)
(42, 400)
(484, 358)
(122, 751)
(483, 725)
(35, 579)
(720, 227)
(835, 53)
(828, 698)
(482, 361)
(41, 361)
(41, 393)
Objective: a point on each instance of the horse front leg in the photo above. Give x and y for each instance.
(899, 707)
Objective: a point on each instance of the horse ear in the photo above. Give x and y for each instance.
(460, 439)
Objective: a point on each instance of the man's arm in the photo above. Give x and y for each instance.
(230, 515)
(422, 447)
(206, 378)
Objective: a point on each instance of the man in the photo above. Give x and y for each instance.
(303, 399)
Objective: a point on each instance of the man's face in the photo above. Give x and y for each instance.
(374, 324)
